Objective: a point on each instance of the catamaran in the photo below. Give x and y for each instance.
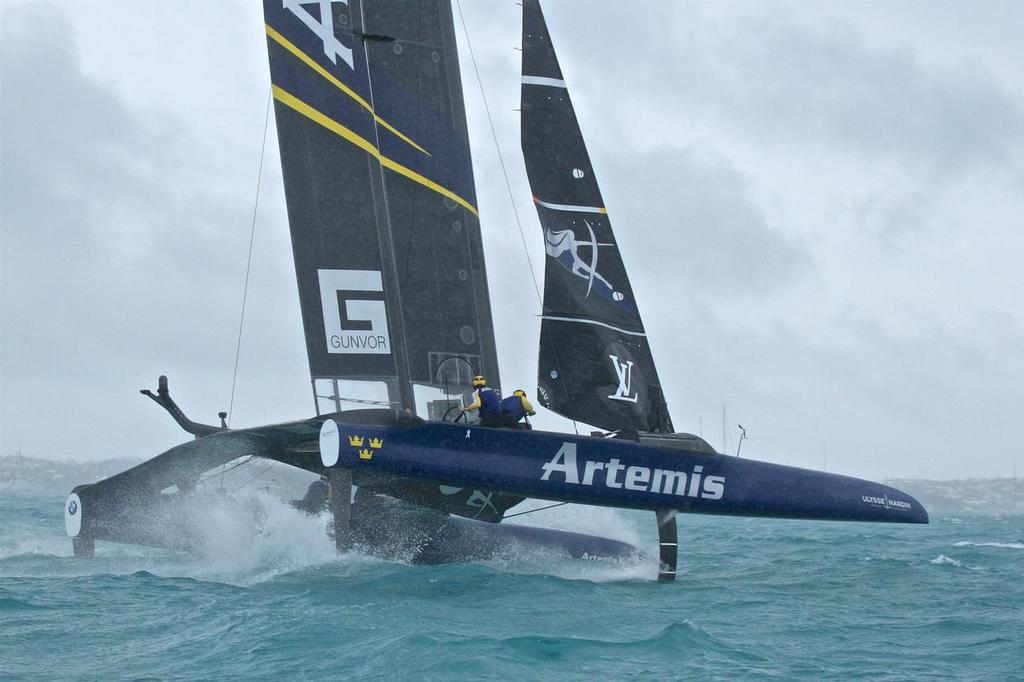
(393, 291)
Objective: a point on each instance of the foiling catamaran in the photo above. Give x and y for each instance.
(393, 290)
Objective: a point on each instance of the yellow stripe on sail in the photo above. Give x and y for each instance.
(311, 63)
(312, 114)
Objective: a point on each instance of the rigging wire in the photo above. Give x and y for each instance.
(248, 264)
(269, 467)
(497, 147)
(530, 511)
(504, 170)
(224, 470)
(360, 401)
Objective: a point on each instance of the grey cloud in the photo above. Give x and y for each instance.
(689, 214)
(89, 195)
(881, 102)
(900, 217)
(883, 399)
(124, 244)
(782, 83)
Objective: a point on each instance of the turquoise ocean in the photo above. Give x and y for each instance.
(756, 599)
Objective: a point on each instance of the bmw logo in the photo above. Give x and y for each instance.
(73, 507)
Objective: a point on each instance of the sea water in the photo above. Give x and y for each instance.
(755, 598)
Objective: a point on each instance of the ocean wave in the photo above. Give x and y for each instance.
(942, 559)
(237, 551)
(1003, 545)
(12, 604)
(55, 547)
(248, 538)
(542, 561)
(681, 637)
(272, 600)
(898, 561)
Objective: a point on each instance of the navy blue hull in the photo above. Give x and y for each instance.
(609, 472)
(476, 472)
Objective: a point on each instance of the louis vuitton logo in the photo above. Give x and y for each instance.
(624, 372)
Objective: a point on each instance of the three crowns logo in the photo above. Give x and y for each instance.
(365, 453)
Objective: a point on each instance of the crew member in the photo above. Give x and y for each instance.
(515, 408)
(317, 497)
(486, 400)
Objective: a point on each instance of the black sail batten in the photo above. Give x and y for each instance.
(380, 194)
(595, 362)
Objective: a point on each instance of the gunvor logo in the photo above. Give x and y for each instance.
(355, 317)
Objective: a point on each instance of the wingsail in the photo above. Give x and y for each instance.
(595, 362)
(380, 194)
(381, 205)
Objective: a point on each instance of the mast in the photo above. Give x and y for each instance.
(401, 392)
(595, 362)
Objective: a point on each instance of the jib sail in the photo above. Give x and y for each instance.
(379, 188)
(595, 363)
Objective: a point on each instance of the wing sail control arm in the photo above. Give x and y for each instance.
(164, 400)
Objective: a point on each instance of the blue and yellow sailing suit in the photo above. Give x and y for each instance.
(486, 400)
(514, 408)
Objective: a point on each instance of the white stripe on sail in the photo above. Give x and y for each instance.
(585, 321)
(541, 80)
(567, 207)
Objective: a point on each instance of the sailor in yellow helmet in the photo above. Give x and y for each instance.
(515, 408)
(487, 401)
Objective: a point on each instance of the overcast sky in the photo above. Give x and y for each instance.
(820, 205)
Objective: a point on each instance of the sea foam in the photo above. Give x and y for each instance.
(1004, 545)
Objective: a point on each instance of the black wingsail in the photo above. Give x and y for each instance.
(379, 188)
(595, 363)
